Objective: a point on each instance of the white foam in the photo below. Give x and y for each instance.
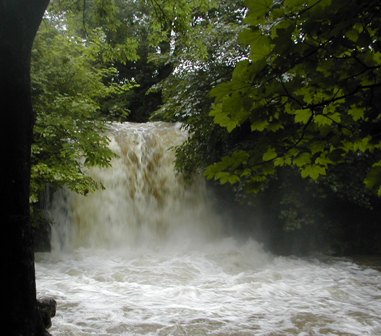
(146, 256)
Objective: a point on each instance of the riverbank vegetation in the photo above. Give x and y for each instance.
(280, 99)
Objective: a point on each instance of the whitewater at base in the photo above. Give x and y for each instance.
(148, 256)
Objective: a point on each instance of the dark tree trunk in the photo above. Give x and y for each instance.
(19, 21)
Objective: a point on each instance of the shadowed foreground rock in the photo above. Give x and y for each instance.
(47, 309)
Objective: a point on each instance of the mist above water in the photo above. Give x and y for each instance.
(148, 256)
(144, 202)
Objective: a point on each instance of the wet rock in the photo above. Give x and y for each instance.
(47, 308)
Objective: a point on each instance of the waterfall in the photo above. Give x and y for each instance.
(144, 200)
(145, 256)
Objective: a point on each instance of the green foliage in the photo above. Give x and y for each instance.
(307, 91)
(86, 59)
(203, 58)
(69, 86)
(144, 40)
(201, 49)
(110, 27)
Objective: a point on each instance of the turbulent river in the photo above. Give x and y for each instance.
(148, 255)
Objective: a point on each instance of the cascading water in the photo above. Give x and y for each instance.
(144, 200)
(147, 256)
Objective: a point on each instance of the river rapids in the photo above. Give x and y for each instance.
(148, 255)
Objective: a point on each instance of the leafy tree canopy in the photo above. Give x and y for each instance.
(308, 94)
(207, 59)
(87, 57)
(142, 39)
(69, 86)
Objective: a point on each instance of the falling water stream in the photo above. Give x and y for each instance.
(148, 256)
